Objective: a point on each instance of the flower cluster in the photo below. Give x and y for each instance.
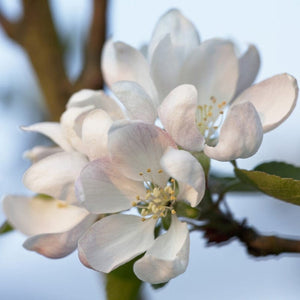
(115, 177)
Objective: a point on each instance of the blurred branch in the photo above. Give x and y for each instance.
(36, 33)
(91, 76)
(221, 227)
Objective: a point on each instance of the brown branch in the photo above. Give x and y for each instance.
(91, 76)
(37, 35)
(9, 27)
(221, 227)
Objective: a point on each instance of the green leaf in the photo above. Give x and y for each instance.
(122, 283)
(203, 160)
(221, 185)
(280, 169)
(286, 189)
(5, 227)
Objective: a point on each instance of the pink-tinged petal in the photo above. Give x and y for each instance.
(39, 152)
(57, 245)
(55, 175)
(168, 257)
(165, 67)
(249, 64)
(71, 124)
(240, 135)
(37, 215)
(96, 99)
(115, 240)
(213, 69)
(137, 148)
(103, 189)
(183, 33)
(184, 167)
(137, 102)
(273, 98)
(53, 131)
(122, 62)
(95, 128)
(178, 116)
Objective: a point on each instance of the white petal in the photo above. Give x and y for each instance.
(55, 175)
(249, 64)
(168, 257)
(240, 135)
(71, 124)
(97, 99)
(95, 128)
(122, 62)
(184, 167)
(37, 215)
(103, 189)
(137, 147)
(273, 98)
(39, 152)
(165, 67)
(183, 33)
(213, 69)
(57, 245)
(115, 240)
(137, 102)
(178, 113)
(53, 131)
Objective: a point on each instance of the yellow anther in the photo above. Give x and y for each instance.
(133, 203)
(137, 197)
(221, 112)
(209, 114)
(215, 127)
(148, 170)
(199, 124)
(143, 219)
(213, 99)
(224, 103)
(154, 217)
(173, 211)
(173, 198)
(204, 119)
(172, 180)
(160, 171)
(62, 204)
(141, 174)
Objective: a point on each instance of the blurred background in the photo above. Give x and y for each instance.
(213, 273)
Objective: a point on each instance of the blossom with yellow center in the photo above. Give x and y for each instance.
(149, 174)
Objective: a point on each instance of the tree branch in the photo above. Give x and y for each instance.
(37, 35)
(9, 27)
(91, 76)
(221, 227)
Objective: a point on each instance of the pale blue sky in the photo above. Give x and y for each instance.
(226, 273)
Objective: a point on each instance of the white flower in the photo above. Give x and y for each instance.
(193, 118)
(192, 85)
(142, 83)
(55, 225)
(143, 171)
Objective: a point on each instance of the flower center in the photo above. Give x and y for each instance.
(158, 200)
(209, 118)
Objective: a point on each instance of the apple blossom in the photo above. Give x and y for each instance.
(141, 83)
(193, 85)
(144, 170)
(55, 224)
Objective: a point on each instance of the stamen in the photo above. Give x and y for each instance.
(149, 170)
